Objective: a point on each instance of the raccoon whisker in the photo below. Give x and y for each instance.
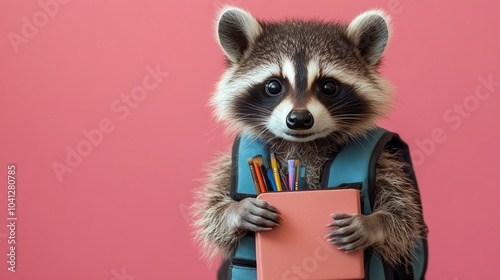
(253, 115)
(358, 141)
(259, 109)
(211, 132)
(259, 127)
(247, 117)
(343, 131)
(215, 127)
(347, 125)
(343, 103)
(255, 105)
(346, 107)
(356, 115)
(264, 130)
(344, 117)
(368, 134)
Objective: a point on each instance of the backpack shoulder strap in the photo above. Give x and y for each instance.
(245, 147)
(356, 163)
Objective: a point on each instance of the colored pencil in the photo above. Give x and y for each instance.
(296, 178)
(254, 176)
(257, 161)
(276, 173)
(270, 175)
(302, 177)
(291, 174)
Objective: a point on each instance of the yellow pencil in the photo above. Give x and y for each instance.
(274, 166)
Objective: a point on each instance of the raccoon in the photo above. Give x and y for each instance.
(306, 87)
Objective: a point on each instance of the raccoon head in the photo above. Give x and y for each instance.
(302, 80)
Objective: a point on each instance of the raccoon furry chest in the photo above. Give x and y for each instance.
(313, 155)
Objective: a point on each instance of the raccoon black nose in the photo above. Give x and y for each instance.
(299, 119)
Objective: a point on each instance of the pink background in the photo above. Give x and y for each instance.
(121, 211)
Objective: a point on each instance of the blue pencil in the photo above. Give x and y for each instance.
(302, 177)
(270, 174)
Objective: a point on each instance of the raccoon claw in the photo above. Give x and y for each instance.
(354, 232)
(254, 215)
(359, 244)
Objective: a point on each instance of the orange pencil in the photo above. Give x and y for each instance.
(254, 176)
(257, 162)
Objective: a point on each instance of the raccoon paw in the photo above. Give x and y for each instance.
(254, 215)
(355, 232)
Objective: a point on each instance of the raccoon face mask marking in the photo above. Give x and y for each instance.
(301, 80)
(289, 71)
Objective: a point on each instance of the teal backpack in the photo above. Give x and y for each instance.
(353, 166)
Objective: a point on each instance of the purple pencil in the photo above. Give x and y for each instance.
(291, 174)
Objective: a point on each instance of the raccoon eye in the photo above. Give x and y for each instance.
(329, 87)
(273, 87)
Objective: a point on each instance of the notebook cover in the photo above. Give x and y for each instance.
(297, 248)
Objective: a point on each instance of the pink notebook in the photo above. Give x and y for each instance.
(297, 248)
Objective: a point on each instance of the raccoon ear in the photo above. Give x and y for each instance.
(370, 33)
(236, 31)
